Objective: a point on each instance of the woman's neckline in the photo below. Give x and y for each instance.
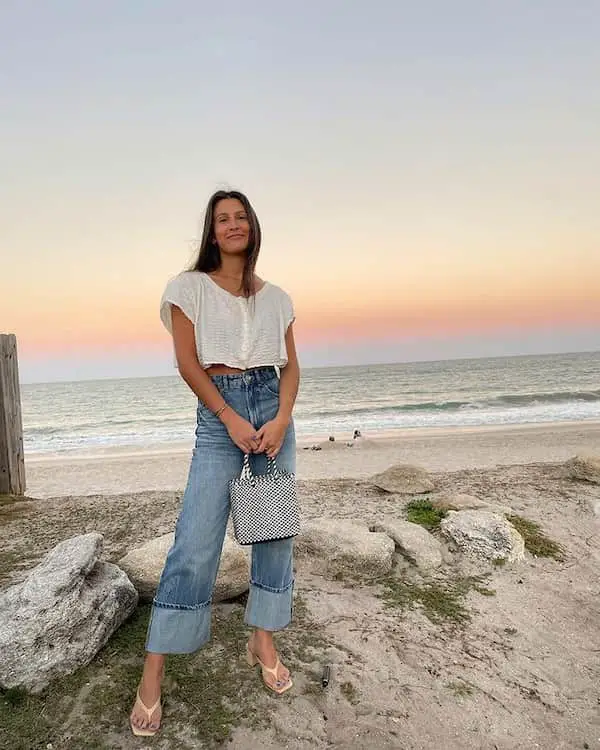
(230, 294)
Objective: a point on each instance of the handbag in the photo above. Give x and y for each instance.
(264, 507)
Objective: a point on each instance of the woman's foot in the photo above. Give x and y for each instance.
(261, 650)
(147, 711)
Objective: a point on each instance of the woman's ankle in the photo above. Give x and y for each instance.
(154, 669)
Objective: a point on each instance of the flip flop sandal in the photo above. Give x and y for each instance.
(148, 711)
(279, 687)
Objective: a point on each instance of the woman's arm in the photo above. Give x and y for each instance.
(272, 433)
(289, 380)
(240, 430)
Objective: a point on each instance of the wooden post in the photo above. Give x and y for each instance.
(12, 460)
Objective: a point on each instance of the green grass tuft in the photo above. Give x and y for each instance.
(440, 602)
(423, 513)
(536, 542)
(460, 689)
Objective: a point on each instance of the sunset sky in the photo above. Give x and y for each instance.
(427, 175)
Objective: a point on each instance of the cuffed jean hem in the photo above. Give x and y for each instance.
(269, 609)
(178, 631)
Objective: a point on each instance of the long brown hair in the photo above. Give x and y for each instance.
(209, 255)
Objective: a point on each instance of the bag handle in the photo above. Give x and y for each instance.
(247, 473)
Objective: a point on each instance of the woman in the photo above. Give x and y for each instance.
(230, 330)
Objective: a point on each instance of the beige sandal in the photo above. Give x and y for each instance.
(148, 711)
(253, 660)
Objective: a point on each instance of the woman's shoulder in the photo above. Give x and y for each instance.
(280, 300)
(275, 290)
(185, 279)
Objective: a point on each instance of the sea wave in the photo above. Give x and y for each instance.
(497, 402)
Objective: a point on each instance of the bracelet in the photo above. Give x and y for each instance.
(221, 410)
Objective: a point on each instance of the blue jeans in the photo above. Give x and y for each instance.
(181, 611)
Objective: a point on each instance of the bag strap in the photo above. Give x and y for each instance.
(246, 472)
(272, 467)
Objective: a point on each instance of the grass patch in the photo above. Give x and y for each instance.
(460, 689)
(441, 603)
(424, 513)
(536, 542)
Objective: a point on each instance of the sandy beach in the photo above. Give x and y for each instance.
(435, 449)
(521, 673)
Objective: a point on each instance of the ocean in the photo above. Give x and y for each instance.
(88, 417)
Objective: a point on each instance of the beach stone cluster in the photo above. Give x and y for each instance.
(70, 604)
(66, 610)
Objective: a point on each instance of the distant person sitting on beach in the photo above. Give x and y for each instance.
(230, 330)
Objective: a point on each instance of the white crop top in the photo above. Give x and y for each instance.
(230, 330)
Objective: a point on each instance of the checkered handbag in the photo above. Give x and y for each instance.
(264, 506)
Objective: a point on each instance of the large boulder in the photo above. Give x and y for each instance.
(404, 479)
(64, 612)
(144, 565)
(414, 542)
(337, 547)
(485, 535)
(586, 468)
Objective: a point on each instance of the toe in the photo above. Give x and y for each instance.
(283, 675)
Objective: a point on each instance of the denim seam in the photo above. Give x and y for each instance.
(269, 389)
(188, 607)
(271, 590)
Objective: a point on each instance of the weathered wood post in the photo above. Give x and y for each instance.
(12, 460)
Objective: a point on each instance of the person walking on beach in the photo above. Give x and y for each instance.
(230, 330)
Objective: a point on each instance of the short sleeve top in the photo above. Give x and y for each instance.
(229, 330)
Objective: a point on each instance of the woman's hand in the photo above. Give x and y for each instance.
(240, 431)
(270, 437)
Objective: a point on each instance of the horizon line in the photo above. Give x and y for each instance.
(329, 367)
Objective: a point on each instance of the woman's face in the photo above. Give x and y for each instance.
(232, 226)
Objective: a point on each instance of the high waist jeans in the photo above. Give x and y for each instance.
(181, 611)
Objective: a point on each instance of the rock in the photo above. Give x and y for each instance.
(482, 534)
(63, 613)
(404, 480)
(584, 467)
(144, 565)
(459, 501)
(340, 546)
(415, 543)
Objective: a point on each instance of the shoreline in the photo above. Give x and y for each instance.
(441, 449)
(180, 448)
